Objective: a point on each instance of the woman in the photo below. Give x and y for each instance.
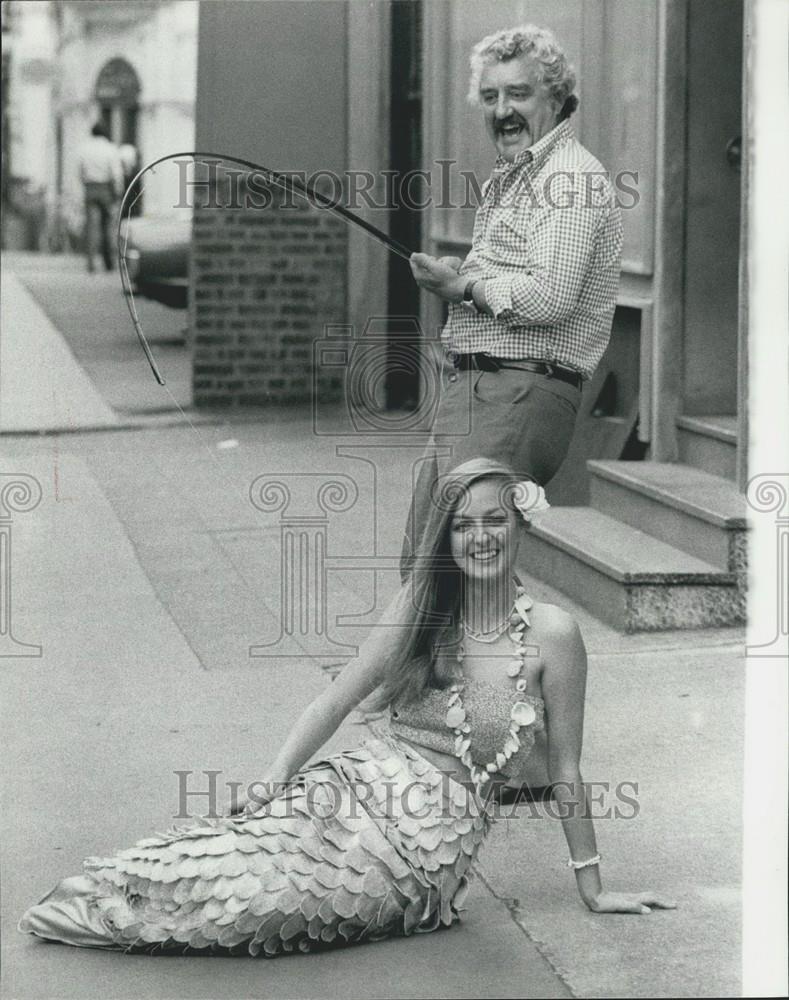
(485, 689)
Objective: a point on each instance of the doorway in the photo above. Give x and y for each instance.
(117, 95)
(405, 157)
(712, 225)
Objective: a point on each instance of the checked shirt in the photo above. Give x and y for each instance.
(548, 242)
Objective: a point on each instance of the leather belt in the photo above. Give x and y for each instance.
(487, 363)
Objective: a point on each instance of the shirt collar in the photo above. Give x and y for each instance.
(536, 155)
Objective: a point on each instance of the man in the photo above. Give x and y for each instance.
(531, 307)
(129, 158)
(101, 173)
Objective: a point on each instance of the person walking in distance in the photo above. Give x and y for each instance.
(101, 173)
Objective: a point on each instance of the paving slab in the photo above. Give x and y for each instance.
(90, 312)
(42, 385)
(670, 723)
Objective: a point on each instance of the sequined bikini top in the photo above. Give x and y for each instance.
(423, 723)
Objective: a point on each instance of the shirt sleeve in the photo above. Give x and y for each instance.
(117, 174)
(557, 255)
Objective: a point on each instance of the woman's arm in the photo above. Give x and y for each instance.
(564, 690)
(323, 715)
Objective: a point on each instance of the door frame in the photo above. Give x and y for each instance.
(664, 397)
(745, 224)
(665, 350)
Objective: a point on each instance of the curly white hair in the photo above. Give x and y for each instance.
(527, 40)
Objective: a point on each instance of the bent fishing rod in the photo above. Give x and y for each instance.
(272, 178)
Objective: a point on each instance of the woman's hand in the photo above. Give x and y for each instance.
(629, 902)
(256, 796)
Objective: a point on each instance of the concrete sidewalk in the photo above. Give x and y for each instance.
(96, 727)
(42, 386)
(91, 314)
(146, 573)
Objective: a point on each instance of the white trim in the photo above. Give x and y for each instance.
(670, 169)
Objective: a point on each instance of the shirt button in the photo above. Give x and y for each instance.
(453, 377)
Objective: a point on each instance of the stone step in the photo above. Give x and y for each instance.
(709, 443)
(686, 507)
(626, 577)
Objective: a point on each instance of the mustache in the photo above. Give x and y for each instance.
(499, 126)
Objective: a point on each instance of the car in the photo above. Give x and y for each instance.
(157, 257)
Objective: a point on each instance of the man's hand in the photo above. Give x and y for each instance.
(453, 262)
(438, 276)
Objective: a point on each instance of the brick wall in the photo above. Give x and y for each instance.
(264, 283)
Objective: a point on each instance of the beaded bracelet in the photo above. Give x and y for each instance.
(575, 865)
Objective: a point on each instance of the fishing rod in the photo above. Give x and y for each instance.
(292, 185)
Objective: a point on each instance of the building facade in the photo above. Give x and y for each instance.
(29, 54)
(379, 90)
(130, 64)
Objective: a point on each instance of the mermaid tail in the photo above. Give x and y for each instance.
(367, 844)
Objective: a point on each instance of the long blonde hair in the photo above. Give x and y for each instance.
(427, 608)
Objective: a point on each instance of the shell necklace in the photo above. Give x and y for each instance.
(492, 634)
(521, 714)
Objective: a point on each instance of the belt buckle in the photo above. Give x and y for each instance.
(550, 369)
(490, 364)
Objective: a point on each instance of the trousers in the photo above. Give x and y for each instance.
(99, 201)
(519, 418)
